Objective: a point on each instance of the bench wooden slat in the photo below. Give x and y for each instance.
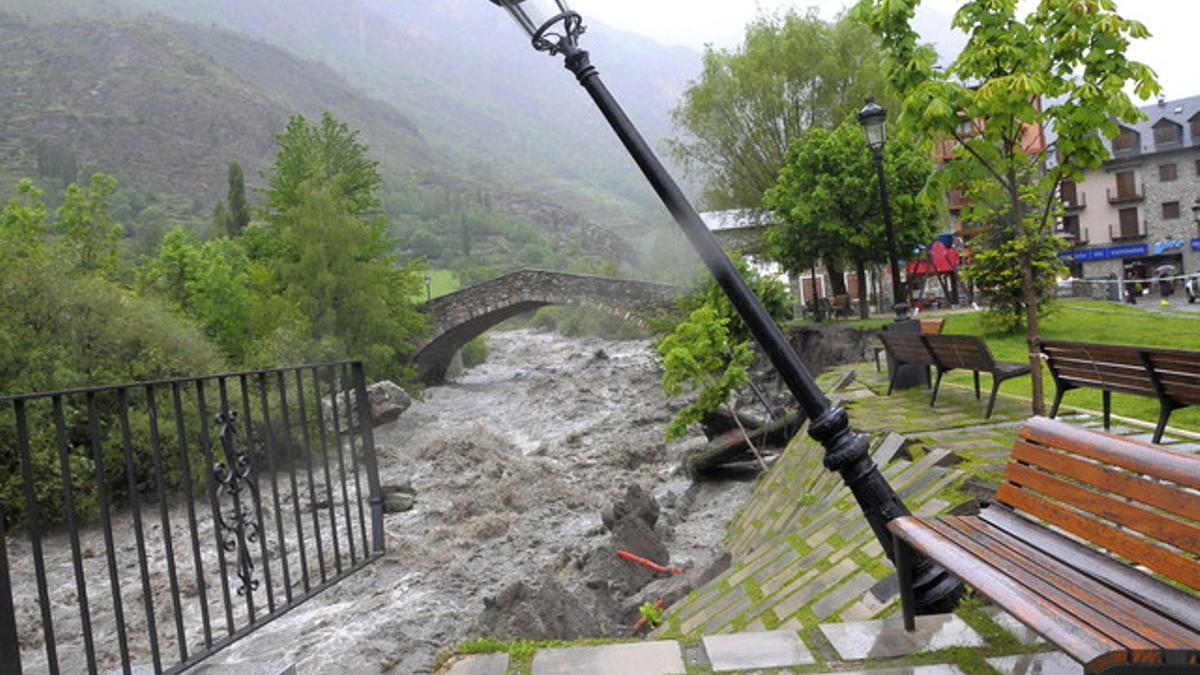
(1131, 611)
(1145, 521)
(1154, 557)
(1123, 483)
(961, 351)
(908, 349)
(1177, 604)
(1163, 463)
(1127, 378)
(1076, 605)
(1082, 643)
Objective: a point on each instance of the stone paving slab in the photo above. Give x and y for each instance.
(770, 649)
(911, 670)
(1024, 634)
(480, 664)
(639, 658)
(856, 641)
(1049, 663)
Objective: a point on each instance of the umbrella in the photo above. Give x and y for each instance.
(1165, 271)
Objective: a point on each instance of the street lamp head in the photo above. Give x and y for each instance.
(551, 25)
(873, 119)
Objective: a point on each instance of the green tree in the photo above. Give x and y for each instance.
(341, 274)
(826, 202)
(1063, 67)
(709, 350)
(793, 72)
(89, 234)
(23, 222)
(328, 154)
(239, 208)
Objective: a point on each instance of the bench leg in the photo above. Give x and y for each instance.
(992, 401)
(878, 368)
(977, 396)
(936, 387)
(1059, 392)
(896, 365)
(903, 555)
(1107, 396)
(1164, 414)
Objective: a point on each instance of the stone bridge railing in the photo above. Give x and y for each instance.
(459, 317)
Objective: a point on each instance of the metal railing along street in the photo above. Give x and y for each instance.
(156, 523)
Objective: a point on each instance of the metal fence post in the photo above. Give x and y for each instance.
(368, 452)
(10, 648)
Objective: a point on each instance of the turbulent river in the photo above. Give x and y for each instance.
(512, 463)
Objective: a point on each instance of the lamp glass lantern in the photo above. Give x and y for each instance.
(550, 24)
(873, 119)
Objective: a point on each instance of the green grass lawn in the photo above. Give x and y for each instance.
(1090, 321)
(442, 282)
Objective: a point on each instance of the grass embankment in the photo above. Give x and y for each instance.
(1090, 321)
(441, 283)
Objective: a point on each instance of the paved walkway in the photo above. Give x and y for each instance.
(810, 589)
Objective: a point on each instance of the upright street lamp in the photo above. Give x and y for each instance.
(554, 28)
(428, 288)
(873, 119)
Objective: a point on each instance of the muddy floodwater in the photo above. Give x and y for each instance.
(512, 463)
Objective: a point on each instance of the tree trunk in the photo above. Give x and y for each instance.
(1030, 299)
(864, 310)
(837, 280)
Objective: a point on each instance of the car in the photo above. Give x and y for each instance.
(1191, 288)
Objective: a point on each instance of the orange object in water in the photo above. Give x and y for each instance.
(650, 564)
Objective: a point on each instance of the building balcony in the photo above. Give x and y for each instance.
(1127, 231)
(1078, 203)
(1075, 236)
(1124, 197)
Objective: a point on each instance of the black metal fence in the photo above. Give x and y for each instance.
(154, 524)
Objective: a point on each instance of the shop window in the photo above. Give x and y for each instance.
(1168, 172)
(1171, 211)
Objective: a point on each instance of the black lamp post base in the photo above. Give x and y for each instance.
(902, 311)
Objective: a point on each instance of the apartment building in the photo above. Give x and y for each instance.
(1141, 210)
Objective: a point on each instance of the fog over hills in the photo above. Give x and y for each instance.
(484, 104)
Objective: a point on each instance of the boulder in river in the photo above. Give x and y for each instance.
(387, 401)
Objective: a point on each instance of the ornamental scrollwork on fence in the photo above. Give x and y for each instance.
(237, 527)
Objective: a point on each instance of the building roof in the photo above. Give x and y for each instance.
(735, 219)
(1180, 111)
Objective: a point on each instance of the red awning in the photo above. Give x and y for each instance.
(939, 259)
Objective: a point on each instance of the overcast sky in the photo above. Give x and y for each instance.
(689, 22)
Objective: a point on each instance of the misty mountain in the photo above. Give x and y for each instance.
(480, 97)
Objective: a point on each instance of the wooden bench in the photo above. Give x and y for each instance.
(928, 327)
(1093, 542)
(905, 349)
(1169, 375)
(968, 352)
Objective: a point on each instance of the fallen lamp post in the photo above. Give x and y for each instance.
(554, 28)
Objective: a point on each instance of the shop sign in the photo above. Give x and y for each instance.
(1196, 244)
(1164, 246)
(1108, 253)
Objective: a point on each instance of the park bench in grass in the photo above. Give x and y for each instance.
(1172, 376)
(968, 352)
(1093, 542)
(906, 349)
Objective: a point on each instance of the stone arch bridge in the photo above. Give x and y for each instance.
(459, 317)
